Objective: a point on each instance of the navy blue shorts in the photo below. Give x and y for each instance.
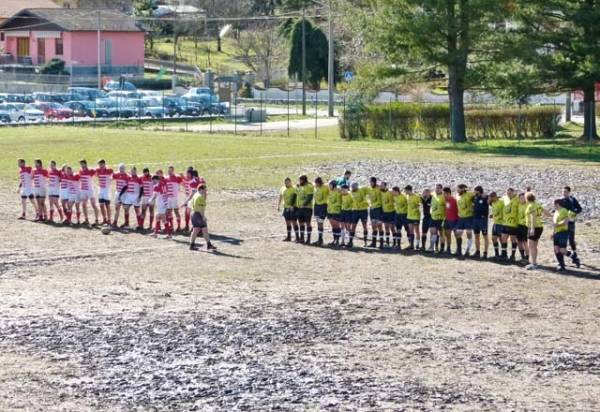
(480, 225)
(304, 215)
(401, 220)
(561, 239)
(334, 216)
(388, 217)
(346, 216)
(450, 225)
(497, 230)
(509, 230)
(198, 221)
(321, 211)
(425, 224)
(358, 215)
(413, 221)
(437, 224)
(537, 234)
(376, 214)
(522, 233)
(464, 223)
(289, 213)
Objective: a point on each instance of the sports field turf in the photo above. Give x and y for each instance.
(128, 322)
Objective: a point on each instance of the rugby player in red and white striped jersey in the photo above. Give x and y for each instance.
(54, 191)
(173, 187)
(25, 188)
(147, 187)
(160, 198)
(120, 182)
(104, 175)
(40, 175)
(132, 195)
(87, 192)
(188, 182)
(73, 194)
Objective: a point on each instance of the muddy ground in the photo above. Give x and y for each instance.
(127, 322)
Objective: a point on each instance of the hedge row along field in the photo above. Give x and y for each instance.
(432, 121)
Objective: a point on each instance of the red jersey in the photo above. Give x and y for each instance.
(451, 209)
(161, 190)
(73, 181)
(25, 177)
(85, 178)
(104, 175)
(121, 180)
(39, 178)
(147, 185)
(65, 183)
(54, 179)
(134, 183)
(173, 183)
(187, 185)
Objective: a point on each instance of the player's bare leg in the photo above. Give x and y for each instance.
(117, 213)
(95, 207)
(138, 215)
(84, 206)
(178, 218)
(78, 211)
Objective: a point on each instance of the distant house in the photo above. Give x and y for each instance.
(9, 8)
(35, 36)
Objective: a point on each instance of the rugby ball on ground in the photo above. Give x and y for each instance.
(105, 230)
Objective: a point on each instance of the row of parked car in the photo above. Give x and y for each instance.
(117, 100)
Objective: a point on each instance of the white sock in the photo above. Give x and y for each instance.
(469, 244)
(432, 241)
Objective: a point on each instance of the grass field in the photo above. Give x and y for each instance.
(128, 322)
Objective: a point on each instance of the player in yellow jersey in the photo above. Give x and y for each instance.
(360, 211)
(347, 216)
(320, 209)
(304, 208)
(497, 206)
(438, 214)
(287, 196)
(401, 208)
(413, 216)
(522, 228)
(387, 214)
(560, 237)
(510, 221)
(534, 217)
(199, 221)
(375, 211)
(466, 203)
(334, 211)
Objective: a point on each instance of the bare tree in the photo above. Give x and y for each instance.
(263, 50)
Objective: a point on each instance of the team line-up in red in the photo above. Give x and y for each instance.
(55, 192)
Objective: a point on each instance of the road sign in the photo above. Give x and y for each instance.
(348, 76)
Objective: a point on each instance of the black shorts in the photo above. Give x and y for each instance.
(509, 230)
(436, 224)
(346, 216)
(304, 215)
(401, 220)
(522, 233)
(289, 213)
(28, 197)
(537, 234)
(425, 224)
(360, 215)
(497, 230)
(464, 223)
(334, 216)
(388, 217)
(480, 225)
(376, 214)
(198, 221)
(40, 197)
(321, 211)
(413, 221)
(54, 196)
(561, 239)
(450, 225)
(104, 201)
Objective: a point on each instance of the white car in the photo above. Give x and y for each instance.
(21, 112)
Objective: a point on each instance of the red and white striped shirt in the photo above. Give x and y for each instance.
(73, 184)
(85, 178)
(147, 185)
(54, 179)
(134, 183)
(39, 178)
(187, 185)
(104, 175)
(161, 190)
(173, 183)
(121, 180)
(65, 183)
(25, 177)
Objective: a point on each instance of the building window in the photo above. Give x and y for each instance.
(2, 36)
(108, 52)
(59, 47)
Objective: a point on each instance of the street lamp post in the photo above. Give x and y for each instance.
(330, 65)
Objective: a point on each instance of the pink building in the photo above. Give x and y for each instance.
(35, 36)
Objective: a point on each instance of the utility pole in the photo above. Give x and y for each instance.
(303, 61)
(99, 65)
(330, 65)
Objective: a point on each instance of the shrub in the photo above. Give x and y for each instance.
(432, 121)
(54, 66)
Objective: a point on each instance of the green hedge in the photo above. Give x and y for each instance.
(432, 121)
